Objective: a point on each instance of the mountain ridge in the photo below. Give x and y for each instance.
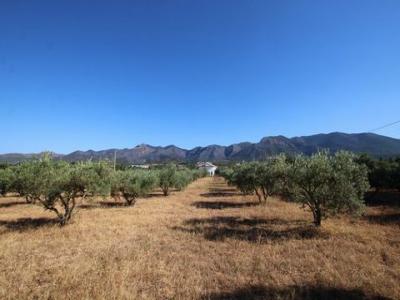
(370, 143)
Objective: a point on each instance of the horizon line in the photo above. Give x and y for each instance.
(209, 145)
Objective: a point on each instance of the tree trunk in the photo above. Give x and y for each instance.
(258, 195)
(69, 205)
(165, 191)
(130, 201)
(29, 199)
(264, 194)
(265, 198)
(317, 216)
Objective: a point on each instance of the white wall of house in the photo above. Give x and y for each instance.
(210, 170)
(208, 167)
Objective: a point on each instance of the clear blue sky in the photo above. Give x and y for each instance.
(102, 74)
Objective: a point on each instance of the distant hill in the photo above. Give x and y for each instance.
(373, 144)
(18, 157)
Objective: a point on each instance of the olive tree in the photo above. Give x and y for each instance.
(36, 179)
(198, 173)
(183, 179)
(265, 178)
(25, 180)
(131, 184)
(245, 178)
(6, 180)
(226, 173)
(383, 173)
(329, 184)
(56, 185)
(82, 180)
(167, 178)
(272, 176)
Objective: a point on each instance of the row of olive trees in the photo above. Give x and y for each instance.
(384, 174)
(326, 184)
(57, 185)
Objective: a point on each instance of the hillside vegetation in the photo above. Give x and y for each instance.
(372, 144)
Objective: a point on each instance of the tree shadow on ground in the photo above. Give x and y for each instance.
(222, 204)
(110, 204)
(293, 293)
(384, 219)
(254, 230)
(223, 190)
(23, 224)
(238, 221)
(14, 203)
(88, 206)
(103, 204)
(220, 194)
(152, 195)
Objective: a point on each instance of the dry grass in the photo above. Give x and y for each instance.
(207, 242)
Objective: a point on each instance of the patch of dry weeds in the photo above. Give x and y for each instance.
(207, 242)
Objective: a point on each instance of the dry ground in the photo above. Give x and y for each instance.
(207, 242)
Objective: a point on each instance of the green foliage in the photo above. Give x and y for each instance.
(183, 178)
(198, 173)
(56, 184)
(170, 176)
(245, 178)
(326, 184)
(6, 180)
(38, 178)
(24, 179)
(88, 179)
(131, 184)
(262, 178)
(273, 176)
(383, 173)
(225, 172)
(167, 178)
(329, 184)
(4, 165)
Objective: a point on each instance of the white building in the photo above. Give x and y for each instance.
(209, 167)
(140, 166)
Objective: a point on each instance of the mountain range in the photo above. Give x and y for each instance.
(370, 143)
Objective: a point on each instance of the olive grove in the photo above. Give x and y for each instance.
(325, 184)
